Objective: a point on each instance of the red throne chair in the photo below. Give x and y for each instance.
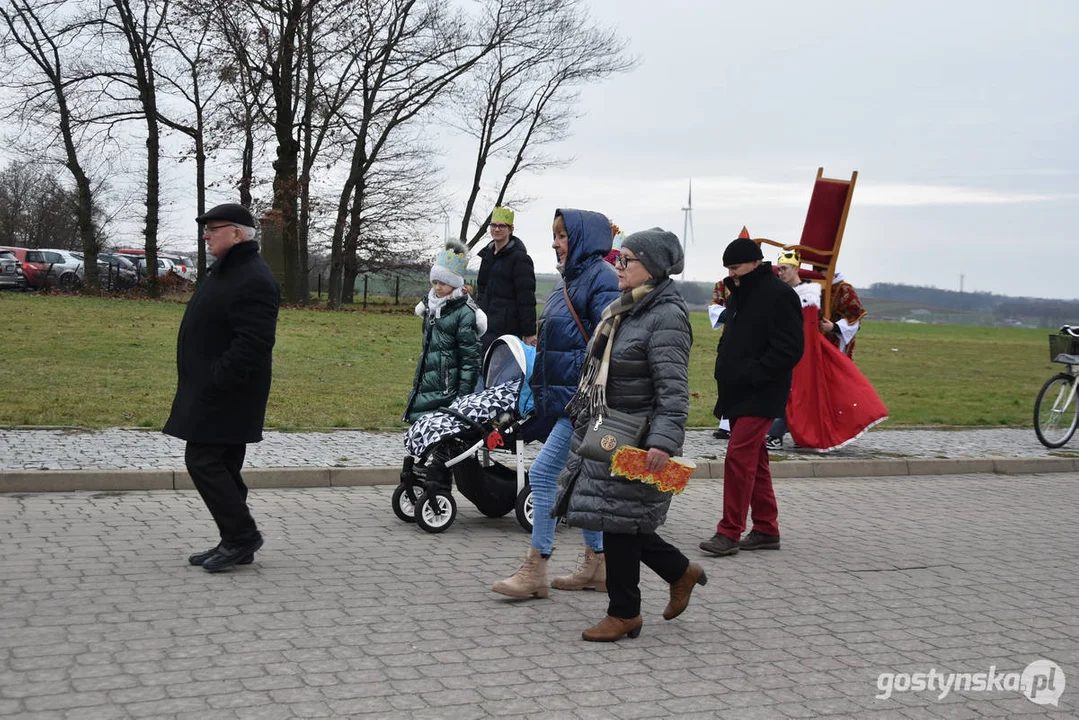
(822, 233)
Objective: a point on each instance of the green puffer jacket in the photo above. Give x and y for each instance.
(449, 364)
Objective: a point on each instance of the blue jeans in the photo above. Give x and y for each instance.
(543, 477)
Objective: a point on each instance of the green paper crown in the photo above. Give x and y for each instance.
(502, 215)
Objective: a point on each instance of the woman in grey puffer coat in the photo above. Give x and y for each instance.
(648, 374)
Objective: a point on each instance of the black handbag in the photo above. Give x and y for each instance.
(610, 430)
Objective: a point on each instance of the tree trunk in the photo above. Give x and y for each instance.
(200, 195)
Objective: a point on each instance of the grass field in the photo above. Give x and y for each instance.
(93, 362)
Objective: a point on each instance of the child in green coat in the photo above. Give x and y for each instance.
(449, 363)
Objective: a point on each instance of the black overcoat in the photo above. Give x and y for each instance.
(224, 352)
(763, 339)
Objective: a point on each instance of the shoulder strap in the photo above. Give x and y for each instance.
(569, 304)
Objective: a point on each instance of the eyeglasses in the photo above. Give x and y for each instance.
(498, 226)
(218, 227)
(623, 261)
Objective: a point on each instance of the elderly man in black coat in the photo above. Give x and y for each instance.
(223, 363)
(763, 340)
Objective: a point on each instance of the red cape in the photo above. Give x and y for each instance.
(831, 401)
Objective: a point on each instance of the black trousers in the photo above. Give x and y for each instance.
(215, 470)
(624, 555)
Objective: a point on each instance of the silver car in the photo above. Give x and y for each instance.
(11, 274)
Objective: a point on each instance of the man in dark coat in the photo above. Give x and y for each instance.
(763, 340)
(506, 283)
(223, 364)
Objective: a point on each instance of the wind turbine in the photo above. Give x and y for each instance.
(687, 225)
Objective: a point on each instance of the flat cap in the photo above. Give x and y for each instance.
(229, 212)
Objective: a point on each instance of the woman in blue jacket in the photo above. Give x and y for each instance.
(589, 284)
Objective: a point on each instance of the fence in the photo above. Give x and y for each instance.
(385, 288)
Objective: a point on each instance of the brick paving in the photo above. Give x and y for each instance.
(350, 613)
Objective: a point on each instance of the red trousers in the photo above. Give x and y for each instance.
(747, 481)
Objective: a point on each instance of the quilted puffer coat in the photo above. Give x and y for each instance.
(592, 285)
(449, 364)
(648, 375)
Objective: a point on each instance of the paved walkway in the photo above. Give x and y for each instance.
(117, 449)
(350, 613)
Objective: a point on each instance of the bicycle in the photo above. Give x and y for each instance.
(1056, 411)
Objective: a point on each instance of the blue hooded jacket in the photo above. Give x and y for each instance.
(592, 284)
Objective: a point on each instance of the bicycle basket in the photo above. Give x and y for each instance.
(1062, 345)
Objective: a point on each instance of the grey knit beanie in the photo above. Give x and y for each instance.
(658, 250)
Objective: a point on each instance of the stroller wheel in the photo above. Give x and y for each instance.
(524, 508)
(404, 502)
(436, 511)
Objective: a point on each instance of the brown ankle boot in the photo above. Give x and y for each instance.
(682, 588)
(591, 574)
(612, 629)
(530, 580)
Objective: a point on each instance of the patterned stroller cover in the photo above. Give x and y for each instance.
(507, 368)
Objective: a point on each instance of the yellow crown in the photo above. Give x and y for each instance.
(789, 257)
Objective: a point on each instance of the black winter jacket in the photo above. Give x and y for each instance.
(506, 291)
(649, 375)
(763, 339)
(224, 352)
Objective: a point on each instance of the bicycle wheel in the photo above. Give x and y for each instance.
(1056, 411)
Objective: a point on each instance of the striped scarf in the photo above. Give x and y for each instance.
(591, 392)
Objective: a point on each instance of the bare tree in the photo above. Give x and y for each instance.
(140, 23)
(36, 209)
(523, 95)
(411, 54)
(37, 39)
(191, 75)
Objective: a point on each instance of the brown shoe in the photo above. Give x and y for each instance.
(591, 574)
(612, 629)
(530, 580)
(682, 588)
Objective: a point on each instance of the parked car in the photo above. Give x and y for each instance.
(36, 266)
(11, 272)
(119, 270)
(183, 266)
(114, 271)
(66, 266)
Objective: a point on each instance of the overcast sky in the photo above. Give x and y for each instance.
(959, 116)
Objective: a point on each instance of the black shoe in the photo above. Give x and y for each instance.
(228, 555)
(200, 558)
(720, 544)
(774, 443)
(722, 434)
(759, 541)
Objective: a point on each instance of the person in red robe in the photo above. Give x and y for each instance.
(831, 402)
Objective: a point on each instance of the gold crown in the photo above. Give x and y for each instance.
(789, 257)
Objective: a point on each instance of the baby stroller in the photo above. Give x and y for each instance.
(456, 443)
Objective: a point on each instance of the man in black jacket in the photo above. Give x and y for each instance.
(223, 364)
(506, 283)
(763, 340)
